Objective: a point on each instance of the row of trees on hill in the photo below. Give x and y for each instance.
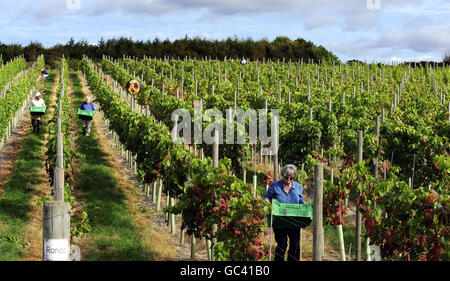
(446, 58)
(279, 48)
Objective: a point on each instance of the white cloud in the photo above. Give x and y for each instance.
(416, 58)
(428, 41)
(220, 7)
(401, 28)
(432, 38)
(355, 13)
(320, 19)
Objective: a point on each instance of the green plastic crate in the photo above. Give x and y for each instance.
(287, 215)
(37, 110)
(85, 114)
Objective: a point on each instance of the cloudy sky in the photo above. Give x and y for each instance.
(380, 30)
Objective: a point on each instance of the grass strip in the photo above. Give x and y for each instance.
(15, 202)
(114, 236)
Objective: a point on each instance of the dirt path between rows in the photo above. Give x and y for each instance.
(10, 152)
(34, 230)
(155, 233)
(156, 218)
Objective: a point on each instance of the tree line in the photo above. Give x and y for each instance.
(280, 48)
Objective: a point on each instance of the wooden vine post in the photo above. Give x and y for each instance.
(275, 146)
(339, 226)
(318, 213)
(377, 134)
(158, 199)
(255, 177)
(56, 214)
(375, 173)
(216, 165)
(358, 213)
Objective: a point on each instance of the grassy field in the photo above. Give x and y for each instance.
(15, 201)
(115, 237)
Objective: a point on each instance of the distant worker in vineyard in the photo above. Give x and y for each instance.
(87, 105)
(44, 73)
(286, 190)
(36, 120)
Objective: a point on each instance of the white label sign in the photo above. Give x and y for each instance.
(375, 253)
(56, 250)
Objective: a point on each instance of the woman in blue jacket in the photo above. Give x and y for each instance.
(286, 190)
(87, 105)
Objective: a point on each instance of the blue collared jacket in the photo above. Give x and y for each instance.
(87, 106)
(276, 190)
